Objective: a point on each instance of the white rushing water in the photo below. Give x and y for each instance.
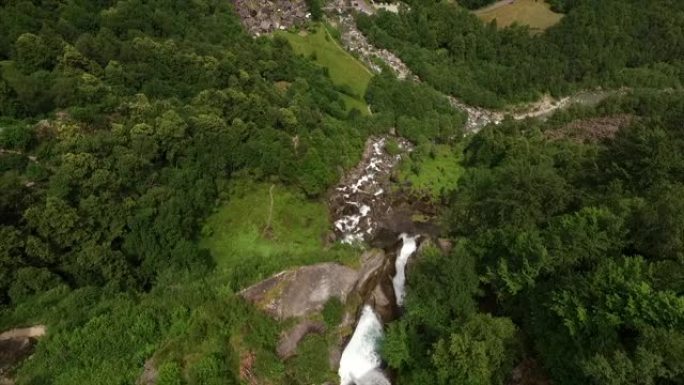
(350, 225)
(360, 361)
(361, 357)
(399, 280)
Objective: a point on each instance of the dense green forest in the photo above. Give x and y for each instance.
(141, 140)
(154, 110)
(123, 122)
(569, 251)
(609, 43)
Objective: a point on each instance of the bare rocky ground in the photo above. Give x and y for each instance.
(302, 291)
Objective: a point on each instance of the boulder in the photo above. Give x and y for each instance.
(385, 238)
(372, 264)
(287, 346)
(32, 332)
(13, 351)
(382, 299)
(374, 285)
(298, 292)
(396, 221)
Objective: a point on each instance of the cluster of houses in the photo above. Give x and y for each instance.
(265, 16)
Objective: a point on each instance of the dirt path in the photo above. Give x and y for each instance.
(32, 332)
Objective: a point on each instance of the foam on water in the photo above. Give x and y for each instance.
(361, 357)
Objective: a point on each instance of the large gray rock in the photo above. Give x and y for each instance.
(375, 283)
(382, 299)
(372, 266)
(298, 292)
(287, 347)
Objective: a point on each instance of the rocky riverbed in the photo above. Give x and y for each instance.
(359, 201)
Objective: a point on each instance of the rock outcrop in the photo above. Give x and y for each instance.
(374, 283)
(383, 300)
(372, 263)
(13, 351)
(287, 346)
(302, 291)
(15, 346)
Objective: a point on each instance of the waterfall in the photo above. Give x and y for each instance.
(399, 280)
(374, 377)
(360, 358)
(360, 361)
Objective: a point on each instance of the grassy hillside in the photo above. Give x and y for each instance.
(245, 235)
(535, 13)
(345, 70)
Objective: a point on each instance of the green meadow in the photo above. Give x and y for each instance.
(344, 69)
(254, 236)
